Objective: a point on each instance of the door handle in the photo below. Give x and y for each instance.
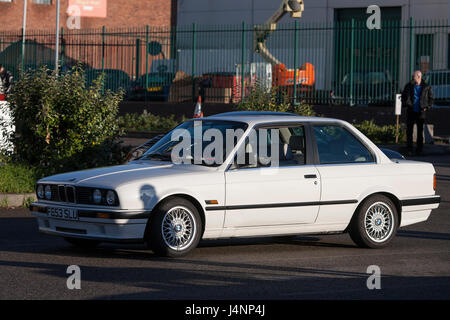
(310, 176)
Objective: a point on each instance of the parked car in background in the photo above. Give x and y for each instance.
(439, 80)
(114, 79)
(322, 176)
(154, 86)
(371, 88)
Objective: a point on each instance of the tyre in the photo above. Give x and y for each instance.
(83, 243)
(175, 228)
(375, 223)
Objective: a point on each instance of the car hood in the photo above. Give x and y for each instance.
(114, 176)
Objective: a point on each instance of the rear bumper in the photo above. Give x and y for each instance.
(432, 200)
(102, 225)
(416, 210)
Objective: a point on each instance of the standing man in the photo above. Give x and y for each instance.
(417, 97)
(5, 83)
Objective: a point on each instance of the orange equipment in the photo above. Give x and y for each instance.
(281, 75)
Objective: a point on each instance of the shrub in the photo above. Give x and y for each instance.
(148, 122)
(380, 134)
(61, 124)
(274, 99)
(17, 179)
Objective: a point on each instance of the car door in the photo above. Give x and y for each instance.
(347, 167)
(284, 192)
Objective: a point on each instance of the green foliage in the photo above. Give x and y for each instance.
(4, 203)
(262, 99)
(148, 122)
(381, 134)
(27, 202)
(17, 179)
(62, 125)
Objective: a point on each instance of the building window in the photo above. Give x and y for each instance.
(5, 0)
(42, 1)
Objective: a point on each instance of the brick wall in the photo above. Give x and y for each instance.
(120, 13)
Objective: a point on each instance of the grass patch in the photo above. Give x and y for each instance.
(17, 179)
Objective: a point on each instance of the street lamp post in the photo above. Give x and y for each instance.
(57, 37)
(24, 27)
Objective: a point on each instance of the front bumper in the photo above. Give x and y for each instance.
(107, 225)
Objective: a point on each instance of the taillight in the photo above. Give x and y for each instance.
(434, 182)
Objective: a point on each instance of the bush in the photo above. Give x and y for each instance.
(148, 122)
(381, 134)
(62, 125)
(17, 179)
(262, 99)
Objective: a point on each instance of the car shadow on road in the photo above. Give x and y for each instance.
(191, 279)
(110, 268)
(22, 235)
(423, 235)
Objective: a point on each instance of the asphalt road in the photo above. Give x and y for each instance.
(415, 266)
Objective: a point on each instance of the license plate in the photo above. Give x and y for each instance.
(62, 213)
(154, 89)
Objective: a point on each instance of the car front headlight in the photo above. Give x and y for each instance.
(97, 196)
(48, 192)
(110, 198)
(40, 191)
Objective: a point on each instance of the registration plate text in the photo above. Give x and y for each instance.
(62, 213)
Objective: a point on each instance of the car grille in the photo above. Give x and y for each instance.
(84, 195)
(72, 194)
(65, 193)
(54, 189)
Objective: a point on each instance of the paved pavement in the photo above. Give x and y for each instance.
(415, 266)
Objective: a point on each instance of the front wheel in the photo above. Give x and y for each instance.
(175, 229)
(375, 223)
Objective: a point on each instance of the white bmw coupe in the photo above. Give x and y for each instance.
(241, 174)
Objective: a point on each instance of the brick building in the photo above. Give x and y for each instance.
(41, 14)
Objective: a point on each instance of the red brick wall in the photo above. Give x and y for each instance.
(120, 13)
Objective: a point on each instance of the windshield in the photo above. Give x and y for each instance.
(200, 142)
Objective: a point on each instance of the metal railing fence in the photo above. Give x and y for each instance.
(321, 63)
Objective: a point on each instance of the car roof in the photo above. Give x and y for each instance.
(258, 117)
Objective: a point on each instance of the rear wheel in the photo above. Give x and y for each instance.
(175, 228)
(375, 223)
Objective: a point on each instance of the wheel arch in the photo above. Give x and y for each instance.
(187, 197)
(389, 195)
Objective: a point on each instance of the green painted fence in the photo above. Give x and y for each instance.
(352, 64)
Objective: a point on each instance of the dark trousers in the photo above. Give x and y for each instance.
(414, 118)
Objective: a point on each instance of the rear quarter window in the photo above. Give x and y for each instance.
(335, 144)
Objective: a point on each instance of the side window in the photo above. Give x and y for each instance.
(337, 145)
(274, 146)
